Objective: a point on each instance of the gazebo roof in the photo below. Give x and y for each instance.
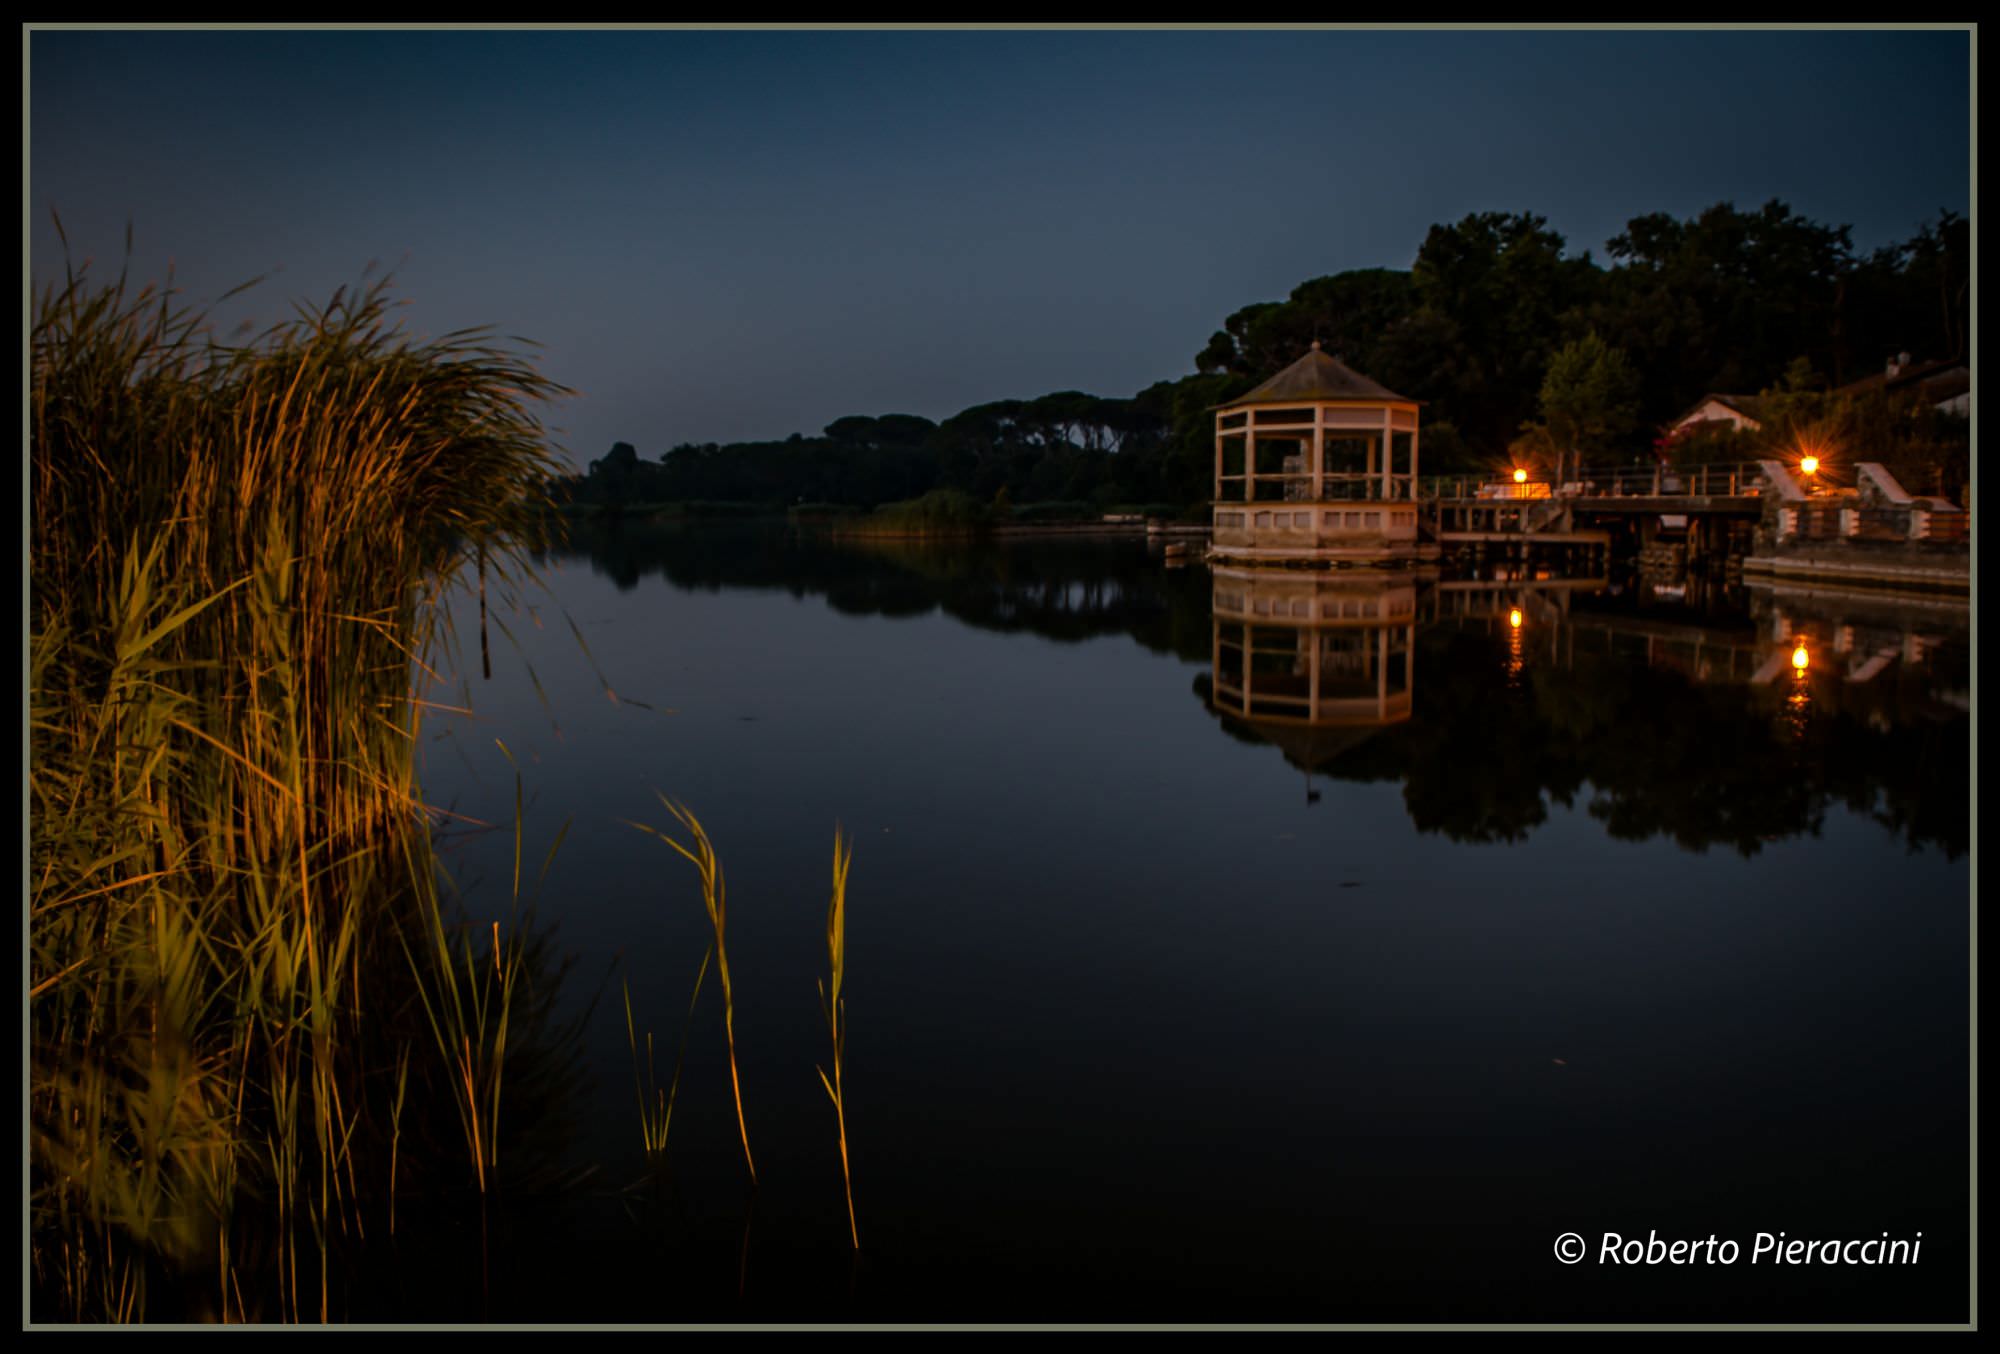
(1317, 377)
(1313, 747)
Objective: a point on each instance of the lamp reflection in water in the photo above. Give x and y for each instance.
(1516, 650)
(1798, 701)
(1313, 663)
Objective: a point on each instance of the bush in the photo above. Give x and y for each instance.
(941, 512)
(820, 512)
(1714, 444)
(1058, 510)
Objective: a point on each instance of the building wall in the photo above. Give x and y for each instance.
(1281, 526)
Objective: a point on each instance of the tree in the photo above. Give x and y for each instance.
(1940, 268)
(855, 428)
(1589, 400)
(1493, 292)
(1724, 301)
(614, 475)
(1349, 313)
(620, 460)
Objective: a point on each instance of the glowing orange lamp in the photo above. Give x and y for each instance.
(1810, 465)
(1800, 657)
(1521, 476)
(1514, 618)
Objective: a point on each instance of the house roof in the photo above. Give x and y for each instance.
(1948, 385)
(1749, 406)
(1940, 379)
(1316, 378)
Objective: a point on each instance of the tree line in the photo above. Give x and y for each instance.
(1516, 347)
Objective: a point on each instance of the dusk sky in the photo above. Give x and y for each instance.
(732, 235)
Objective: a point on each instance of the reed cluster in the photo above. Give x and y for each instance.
(701, 854)
(655, 1104)
(238, 554)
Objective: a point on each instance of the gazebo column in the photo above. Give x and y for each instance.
(1388, 450)
(1220, 442)
(1413, 457)
(1249, 458)
(1319, 454)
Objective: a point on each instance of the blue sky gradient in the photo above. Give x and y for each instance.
(722, 235)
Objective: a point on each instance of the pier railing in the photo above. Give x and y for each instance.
(1943, 526)
(1726, 480)
(1847, 520)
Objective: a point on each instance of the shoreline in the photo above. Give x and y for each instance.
(1906, 573)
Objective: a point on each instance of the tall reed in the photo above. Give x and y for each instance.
(702, 856)
(656, 1112)
(835, 1007)
(237, 557)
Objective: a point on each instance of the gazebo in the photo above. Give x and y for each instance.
(1317, 463)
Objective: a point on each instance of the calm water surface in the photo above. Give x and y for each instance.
(1335, 999)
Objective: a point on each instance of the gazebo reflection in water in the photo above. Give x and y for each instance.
(1314, 662)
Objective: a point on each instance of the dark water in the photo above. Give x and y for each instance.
(1166, 1011)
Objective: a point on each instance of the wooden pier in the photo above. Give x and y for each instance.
(1582, 511)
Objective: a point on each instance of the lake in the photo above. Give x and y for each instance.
(1221, 947)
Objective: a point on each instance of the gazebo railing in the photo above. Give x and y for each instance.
(1296, 487)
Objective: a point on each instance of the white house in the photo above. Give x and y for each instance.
(1743, 413)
